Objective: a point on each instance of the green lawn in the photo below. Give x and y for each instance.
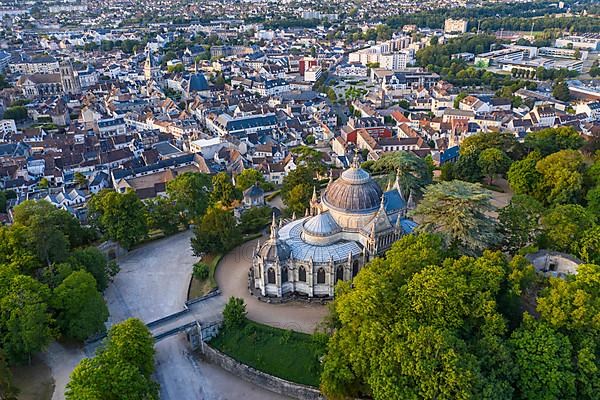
(286, 354)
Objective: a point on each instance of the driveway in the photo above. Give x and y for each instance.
(232, 278)
(153, 283)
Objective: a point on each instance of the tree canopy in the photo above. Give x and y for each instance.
(217, 232)
(121, 216)
(121, 370)
(458, 210)
(411, 170)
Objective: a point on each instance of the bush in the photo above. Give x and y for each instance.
(201, 271)
(234, 314)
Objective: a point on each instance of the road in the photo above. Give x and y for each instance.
(153, 283)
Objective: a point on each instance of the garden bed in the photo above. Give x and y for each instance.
(199, 288)
(286, 354)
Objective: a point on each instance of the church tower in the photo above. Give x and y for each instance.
(70, 82)
(151, 69)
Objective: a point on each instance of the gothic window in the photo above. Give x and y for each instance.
(284, 275)
(321, 275)
(339, 273)
(270, 275)
(302, 274)
(355, 268)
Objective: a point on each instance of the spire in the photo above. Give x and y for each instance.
(410, 204)
(314, 195)
(257, 246)
(294, 216)
(330, 178)
(397, 185)
(373, 231)
(350, 258)
(389, 185)
(273, 228)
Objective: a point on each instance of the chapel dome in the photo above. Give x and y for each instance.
(353, 191)
(321, 224)
(275, 249)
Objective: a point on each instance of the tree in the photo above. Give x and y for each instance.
(234, 314)
(3, 83)
(493, 161)
(217, 232)
(593, 200)
(523, 176)
(120, 370)
(18, 113)
(519, 222)
(562, 179)
(162, 214)
(458, 210)
(563, 227)
(561, 91)
(458, 98)
(95, 262)
(80, 180)
(223, 190)
(121, 216)
(551, 140)
(297, 189)
(588, 246)
(570, 306)
(309, 158)
(428, 342)
(249, 177)
(190, 192)
(25, 321)
(81, 310)
(412, 171)
(8, 391)
(543, 360)
(255, 219)
(504, 141)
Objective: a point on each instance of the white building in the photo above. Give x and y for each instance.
(313, 73)
(7, 127)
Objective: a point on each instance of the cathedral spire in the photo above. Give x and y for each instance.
(273, 228)
(314, 195)
(294, 216)
(397, 185)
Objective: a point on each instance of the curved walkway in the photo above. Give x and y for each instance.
(232, 278)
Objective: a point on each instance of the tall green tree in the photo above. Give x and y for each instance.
(543, 360)
(297, 189)
(459, 211)
(121, 216)
(493, 161)
(561, 91)
(81, 308)
(519, 222)
(249, 177)
(563, 226)
(95, 262)
(121, 370)
(217, 232)
(191, 193)
(223, 190)
(162, 214)
(25, 320)
(523, 177)
(562, 177)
